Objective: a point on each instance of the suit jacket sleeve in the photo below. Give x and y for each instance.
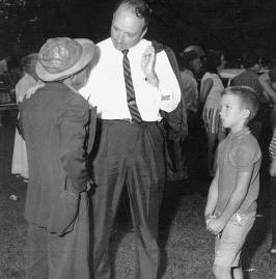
(176, 120)
(19, 123)
(73, 132)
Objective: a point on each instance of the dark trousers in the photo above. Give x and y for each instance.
(273, 209)
(49, 256)
(132, 155)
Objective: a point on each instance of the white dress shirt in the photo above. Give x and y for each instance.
(106, 90)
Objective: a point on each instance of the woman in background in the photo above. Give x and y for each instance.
(29, 80)
(210, 96)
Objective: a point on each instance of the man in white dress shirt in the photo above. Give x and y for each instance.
(130, 152)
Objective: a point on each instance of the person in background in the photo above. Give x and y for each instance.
(58, 128)
(268, 82)
(14, 70)
(210, 97)
(4, 66)
(131, 83)
(223, 61)
(202, 55)
(19, 159)
(249, 77)
(198, 49)
(272, 171)
(6, 87)
(231, 206)
(190, 66)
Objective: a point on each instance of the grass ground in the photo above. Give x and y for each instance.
(186, 247)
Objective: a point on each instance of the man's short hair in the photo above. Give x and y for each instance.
(140, 8)
(185, 59)
(248, 97)
(250, 59)
(212, 60)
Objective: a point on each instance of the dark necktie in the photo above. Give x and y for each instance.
(131, 100)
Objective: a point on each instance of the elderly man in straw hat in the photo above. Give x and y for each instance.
(56, 122)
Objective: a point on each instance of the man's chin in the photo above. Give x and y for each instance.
(118, 46)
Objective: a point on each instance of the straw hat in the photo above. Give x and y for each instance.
(62, 57)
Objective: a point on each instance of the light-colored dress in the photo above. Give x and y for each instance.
(19, 159)
(212, 104)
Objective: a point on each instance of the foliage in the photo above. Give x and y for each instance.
(12, 8)
(15, 16)
(230, 25)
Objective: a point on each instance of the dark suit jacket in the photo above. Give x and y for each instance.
(174, 124)
(55, 122)
(177, 119)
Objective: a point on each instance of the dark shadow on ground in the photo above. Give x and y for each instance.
(198, 182)
(261, 227)
(173, 193)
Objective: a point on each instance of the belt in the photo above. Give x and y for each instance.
(129, 120)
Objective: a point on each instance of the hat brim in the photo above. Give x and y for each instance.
(198, 49)
(88, 51)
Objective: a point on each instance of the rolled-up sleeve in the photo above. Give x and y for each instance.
(168, 93)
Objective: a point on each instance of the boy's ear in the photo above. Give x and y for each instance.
(245, 113)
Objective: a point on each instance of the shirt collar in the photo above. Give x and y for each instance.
(139, 48)
(71, 87)
(239, 134)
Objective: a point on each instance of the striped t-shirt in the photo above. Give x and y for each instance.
(272, 146)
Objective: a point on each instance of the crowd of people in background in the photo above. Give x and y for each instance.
(137, 86)
(253, 74)
(251, 71)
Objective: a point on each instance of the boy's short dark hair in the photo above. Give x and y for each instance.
(248, 97)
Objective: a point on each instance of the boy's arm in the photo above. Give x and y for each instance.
(212, 197)
(235, 201)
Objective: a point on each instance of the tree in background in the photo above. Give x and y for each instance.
(15, 16)
(229, 25)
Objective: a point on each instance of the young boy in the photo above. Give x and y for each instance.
(231, 205)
